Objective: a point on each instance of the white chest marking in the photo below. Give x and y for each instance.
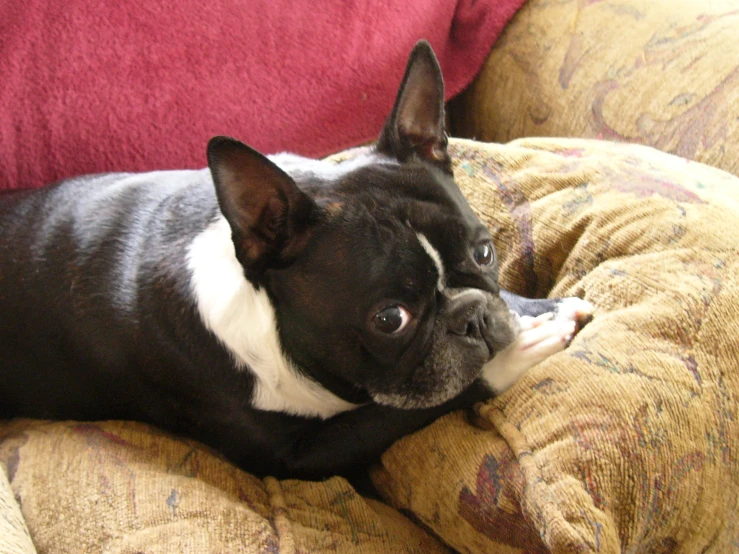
(243, 319)
(435, 257)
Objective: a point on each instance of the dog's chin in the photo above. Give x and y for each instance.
(426, 398)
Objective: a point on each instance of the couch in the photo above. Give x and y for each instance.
(625, 442)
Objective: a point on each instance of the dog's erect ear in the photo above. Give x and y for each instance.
(270, 217)
(416, 124)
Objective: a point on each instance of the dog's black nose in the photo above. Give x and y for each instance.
(468, 314)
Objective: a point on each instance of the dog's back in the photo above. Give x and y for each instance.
(72, 313)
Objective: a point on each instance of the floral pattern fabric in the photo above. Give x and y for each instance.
(662, 73)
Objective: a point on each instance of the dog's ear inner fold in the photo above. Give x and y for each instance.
(270, 217)
(416, 124)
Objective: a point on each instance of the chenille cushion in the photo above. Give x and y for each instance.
(662, 73)
(123, 487)
(626, 441)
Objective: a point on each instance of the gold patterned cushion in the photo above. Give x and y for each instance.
(123, 487)
(662, 73)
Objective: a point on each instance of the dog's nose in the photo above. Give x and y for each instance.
(468, 314)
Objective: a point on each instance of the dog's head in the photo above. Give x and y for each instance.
(384, 283)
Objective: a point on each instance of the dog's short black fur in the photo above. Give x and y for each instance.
(296, 315)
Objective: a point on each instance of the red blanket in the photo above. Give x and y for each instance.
(138, 85)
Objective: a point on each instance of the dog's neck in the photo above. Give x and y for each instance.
(243, 320)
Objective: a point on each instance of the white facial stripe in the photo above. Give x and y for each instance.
(435, 257)
(466, 292)
(243, 319)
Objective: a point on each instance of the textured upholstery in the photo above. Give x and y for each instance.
(663, 73)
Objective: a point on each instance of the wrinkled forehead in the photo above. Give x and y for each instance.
(374, 177)
(385, 210)
(410, 215)
(412, 192)
(428, 199)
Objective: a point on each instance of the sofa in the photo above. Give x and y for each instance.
(598, 143)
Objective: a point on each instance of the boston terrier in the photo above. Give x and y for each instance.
(298, 316)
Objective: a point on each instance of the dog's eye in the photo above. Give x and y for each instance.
(391, 320)
(484, 254)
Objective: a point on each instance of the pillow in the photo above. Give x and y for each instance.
(662, 74)
(137, 86)
(122, 487)
(627, 440)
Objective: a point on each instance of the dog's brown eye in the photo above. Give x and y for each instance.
(392, 319)
(484, 254)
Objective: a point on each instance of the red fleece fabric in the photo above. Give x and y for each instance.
(138, 85)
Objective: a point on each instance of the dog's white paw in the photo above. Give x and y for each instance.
(574, 309)
(526, 322)
(539, 338)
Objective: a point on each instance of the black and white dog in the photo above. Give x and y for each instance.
(297, 315)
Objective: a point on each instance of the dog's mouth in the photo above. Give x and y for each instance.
(498, 341)
(493, 347)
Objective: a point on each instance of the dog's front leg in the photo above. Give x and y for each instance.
(351, 441)
(547, 326)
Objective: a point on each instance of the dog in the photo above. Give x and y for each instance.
(299, 316)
